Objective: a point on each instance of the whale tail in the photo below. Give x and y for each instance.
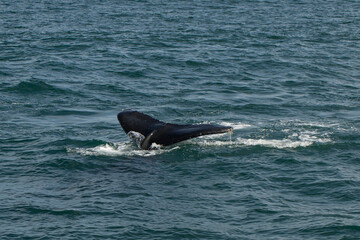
(165, 134)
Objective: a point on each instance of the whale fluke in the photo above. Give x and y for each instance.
(146, 130)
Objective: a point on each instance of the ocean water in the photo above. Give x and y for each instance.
(284, 74)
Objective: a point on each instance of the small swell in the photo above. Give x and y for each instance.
(69, 164)
(5, 74)
(32, 87)
(62, 212)
(132, 73)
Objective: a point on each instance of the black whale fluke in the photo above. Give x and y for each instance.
(155, 131)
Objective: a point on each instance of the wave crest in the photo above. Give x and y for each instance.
(34, 86)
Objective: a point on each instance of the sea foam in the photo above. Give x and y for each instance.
(119, 149)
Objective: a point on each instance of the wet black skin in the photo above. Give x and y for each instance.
(162, 133)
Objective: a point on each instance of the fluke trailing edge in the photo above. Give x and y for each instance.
(146, 130)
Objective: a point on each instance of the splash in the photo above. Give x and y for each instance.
(136, 137)
(119, 149)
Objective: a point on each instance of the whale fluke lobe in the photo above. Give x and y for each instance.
(146, 130)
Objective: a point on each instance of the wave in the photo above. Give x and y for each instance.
(34, 86)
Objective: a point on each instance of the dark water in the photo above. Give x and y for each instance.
(284, 74)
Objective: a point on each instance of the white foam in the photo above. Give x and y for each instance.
(295, 140)
(274, 143)
(119, 149)
(236, 126)
(155, 146)
(218, 143)
(312, 124)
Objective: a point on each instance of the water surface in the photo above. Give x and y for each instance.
(284, 74)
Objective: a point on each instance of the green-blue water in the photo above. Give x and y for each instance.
(284, 74)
